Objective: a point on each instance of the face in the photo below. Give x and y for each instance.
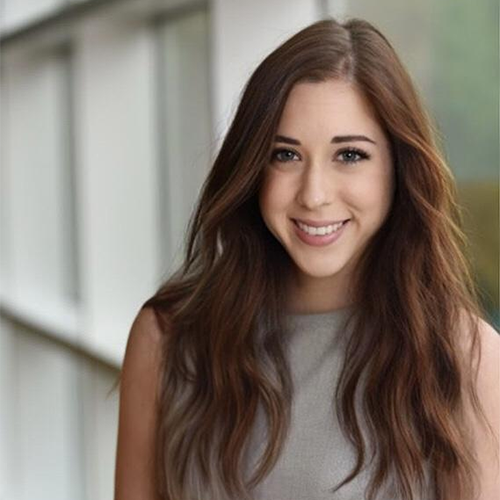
(331, 163)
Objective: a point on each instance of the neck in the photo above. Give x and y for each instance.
(318, 295)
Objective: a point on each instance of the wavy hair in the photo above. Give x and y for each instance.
(222, 311)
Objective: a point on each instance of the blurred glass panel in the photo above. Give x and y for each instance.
(71, 274)
(15, 13)
(100, 416)
(8, 394)
(451, 50)
(38, 245)
(58, 420)
(46, 430)
(3, 187)
(465, 97)
(184, 123)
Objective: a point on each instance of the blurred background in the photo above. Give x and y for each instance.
(110, 114)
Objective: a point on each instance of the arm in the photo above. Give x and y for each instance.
(488, 388)
(134, 473)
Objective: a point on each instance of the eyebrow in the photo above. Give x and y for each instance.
(335, 140)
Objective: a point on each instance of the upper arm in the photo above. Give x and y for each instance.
(488, 390)
(134, 473)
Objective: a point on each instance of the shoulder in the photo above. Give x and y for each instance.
(145, 332)
(487, 384)
(488, 371)
(490, 351)
(143, 357)
(138, 409)
(144, 349)
(488, 377)
(487, 364)
(489, 345)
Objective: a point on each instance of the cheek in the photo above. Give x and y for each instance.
(372, 194)
(273, 198)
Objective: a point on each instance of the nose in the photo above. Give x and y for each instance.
(314, 188)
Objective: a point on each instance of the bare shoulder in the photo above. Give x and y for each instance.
(145, 339)
(488, 390)
(488, 373)
(489, 340)
(490, 351)
(488, 365)
(142, 360)
(139, 387)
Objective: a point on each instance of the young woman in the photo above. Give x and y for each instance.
(323, 338)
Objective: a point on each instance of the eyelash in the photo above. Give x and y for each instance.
(363, 155)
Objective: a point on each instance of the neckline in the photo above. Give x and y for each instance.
(324, 314)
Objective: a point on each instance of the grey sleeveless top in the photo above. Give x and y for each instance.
(316, 456)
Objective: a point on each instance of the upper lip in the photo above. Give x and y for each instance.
(319, 223)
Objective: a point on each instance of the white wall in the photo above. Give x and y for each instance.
(119, 229)
(35, 239)
(4, 217)
(7, 414)
(243, 33)
(16, 13)
(184, 130)
(99, 410)
(47, 458)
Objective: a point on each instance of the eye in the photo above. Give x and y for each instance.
(283, 155)
(353, 155)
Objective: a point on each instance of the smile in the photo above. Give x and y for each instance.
(321, 230)
(319, 236)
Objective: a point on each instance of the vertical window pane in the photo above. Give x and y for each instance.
(69, 193)
(4, 220)
(47, 452)
(39, 236)
(184, 124)
(100, 413)
(7, 415)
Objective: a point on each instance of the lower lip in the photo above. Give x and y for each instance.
(319, 241)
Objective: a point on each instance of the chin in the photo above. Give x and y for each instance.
(319, 272)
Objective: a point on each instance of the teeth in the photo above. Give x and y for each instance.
(319, 231)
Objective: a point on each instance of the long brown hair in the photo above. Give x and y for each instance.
(222, 312)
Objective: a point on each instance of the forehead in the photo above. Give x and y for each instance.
(332, 104)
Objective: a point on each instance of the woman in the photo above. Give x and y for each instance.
(323, 335)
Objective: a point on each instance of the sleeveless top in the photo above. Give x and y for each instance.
(316, 456)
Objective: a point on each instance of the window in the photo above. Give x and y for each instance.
(184, 124)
